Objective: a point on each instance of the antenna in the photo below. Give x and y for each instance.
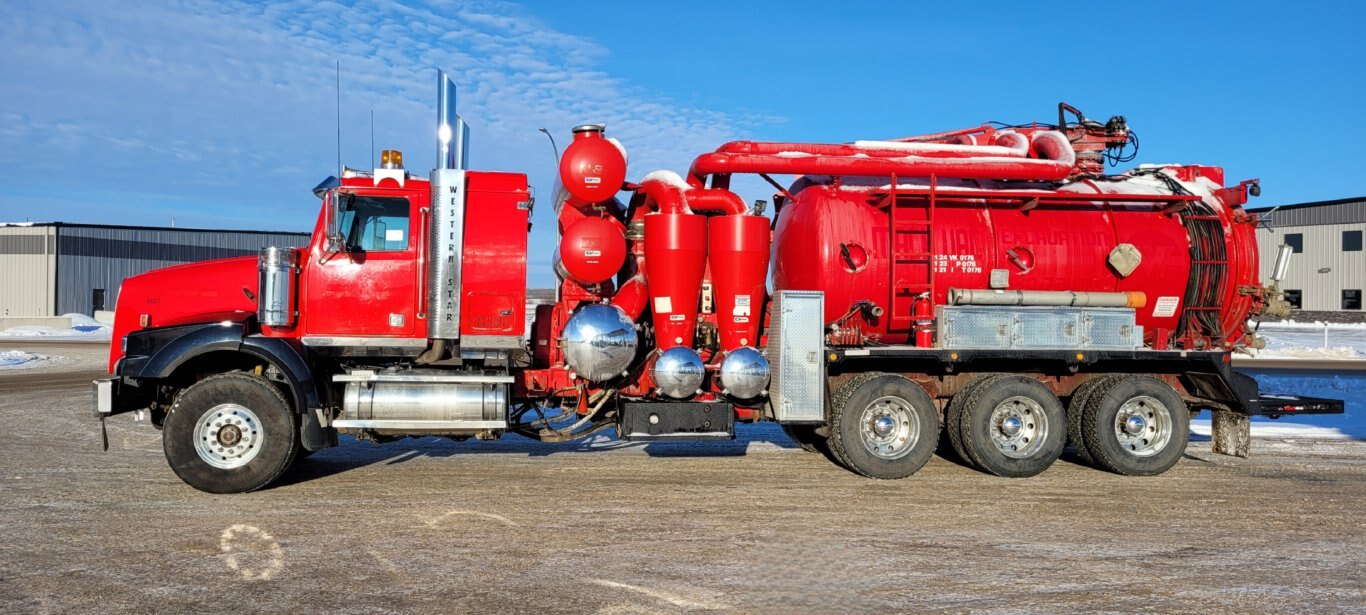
(339, 164)
(372, 138)
(553, 147)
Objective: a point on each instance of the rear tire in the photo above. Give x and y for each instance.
(230, 433)
(1013, 426)
(1076, 408)
(883, 426)
(953, 416)
(1135, 426)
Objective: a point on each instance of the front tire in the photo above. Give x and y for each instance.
(1135, 426)
(230, 433)
(883, 426)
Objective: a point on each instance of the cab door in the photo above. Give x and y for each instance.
(367, 287)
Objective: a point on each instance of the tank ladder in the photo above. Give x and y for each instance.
(910, 253)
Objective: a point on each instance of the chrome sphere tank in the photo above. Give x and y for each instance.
(744, 373)
(599, 342)
(678, 372)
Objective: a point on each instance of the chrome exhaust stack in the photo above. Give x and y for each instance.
(446, 233)
(452, 135)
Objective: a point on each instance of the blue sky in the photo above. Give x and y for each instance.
(221, 114)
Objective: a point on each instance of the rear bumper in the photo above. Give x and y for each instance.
(1276, 406)
(115, 396)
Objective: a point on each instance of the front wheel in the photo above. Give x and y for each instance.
(883, 426)
(230, 433)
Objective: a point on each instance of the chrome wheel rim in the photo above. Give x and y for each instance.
(1143, 426)
(889, 427)
(228, 436)
(1018, 427)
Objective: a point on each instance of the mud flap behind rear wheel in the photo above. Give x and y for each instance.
(1231, 433)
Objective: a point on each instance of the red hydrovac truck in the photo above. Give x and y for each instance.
(992, 284)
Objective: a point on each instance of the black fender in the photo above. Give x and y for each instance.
(288, 356)
(157, 353)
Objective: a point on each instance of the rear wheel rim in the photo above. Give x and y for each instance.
(1019, 426)
(228, 436)
(1143, 426)
(889, 427)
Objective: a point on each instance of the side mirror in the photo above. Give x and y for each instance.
(335, 242)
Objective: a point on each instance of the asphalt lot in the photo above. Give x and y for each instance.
(753, 525)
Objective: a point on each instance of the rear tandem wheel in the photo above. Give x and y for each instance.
(1135, 425)
(883, 426)
(1012, 426)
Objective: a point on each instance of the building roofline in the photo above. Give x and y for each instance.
(144, 228)
(1356, 199)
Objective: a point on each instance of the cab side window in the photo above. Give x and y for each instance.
(374, 223)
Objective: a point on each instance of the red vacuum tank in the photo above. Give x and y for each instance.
(864, 242)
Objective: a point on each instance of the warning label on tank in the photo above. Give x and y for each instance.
(664, 305)
(958, 263)
(741, 306)
(1165, 307)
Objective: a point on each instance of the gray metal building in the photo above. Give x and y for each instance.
(1328, 268)
(54, 268)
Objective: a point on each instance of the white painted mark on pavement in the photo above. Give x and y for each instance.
(472, 513)
(674, 599)
(244, 547)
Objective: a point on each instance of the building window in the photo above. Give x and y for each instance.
(1351, 241)
(1295, 241)
(1293, 298)
(1351, 299)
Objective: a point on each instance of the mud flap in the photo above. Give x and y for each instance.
(1231, 433)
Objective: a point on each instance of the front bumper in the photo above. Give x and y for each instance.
(115, 396)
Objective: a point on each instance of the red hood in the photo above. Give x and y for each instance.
(203, 292)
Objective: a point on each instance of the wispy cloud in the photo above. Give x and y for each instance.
(230, 105)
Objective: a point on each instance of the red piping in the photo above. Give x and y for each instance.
(1055, 163)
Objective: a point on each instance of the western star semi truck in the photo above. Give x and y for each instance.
(994, 291)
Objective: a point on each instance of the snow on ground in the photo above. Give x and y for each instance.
(1347, 386)
(18, 359)
(1296, 340)
(82, 327)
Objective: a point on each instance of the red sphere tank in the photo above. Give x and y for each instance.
(675, 258)
(738, 248)
(592, 168)
(592, 250)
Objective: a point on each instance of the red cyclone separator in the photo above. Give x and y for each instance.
(738, 247)
(675, 258)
